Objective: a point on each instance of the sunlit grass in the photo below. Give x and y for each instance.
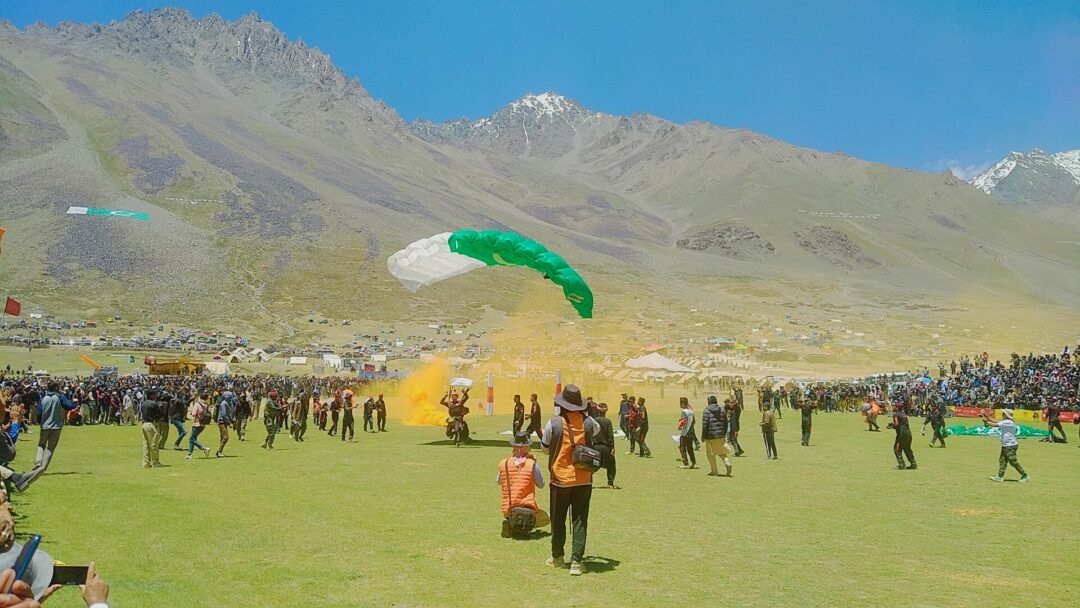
(396, 520)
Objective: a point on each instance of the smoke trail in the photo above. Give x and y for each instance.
(421, 391)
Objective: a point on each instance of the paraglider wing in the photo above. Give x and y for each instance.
(511, 249)
(446, 255)
(429, 261)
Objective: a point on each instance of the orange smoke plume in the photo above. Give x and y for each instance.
(421, 391)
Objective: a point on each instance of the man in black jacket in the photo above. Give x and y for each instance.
(519, 415)
(535, 422)
(177, 416)
(380, 413)
(714, 429)
(935, 417)
(605, 442)
(734, 411)
(152, 413)
(165, 398)
(902, 445)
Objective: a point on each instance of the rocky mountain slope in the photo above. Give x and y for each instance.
(277, 186)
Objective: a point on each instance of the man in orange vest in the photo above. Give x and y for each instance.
(571, 482)
(519, 476)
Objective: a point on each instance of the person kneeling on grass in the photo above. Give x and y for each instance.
(519, 476)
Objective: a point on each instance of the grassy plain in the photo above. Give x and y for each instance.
(402, 519)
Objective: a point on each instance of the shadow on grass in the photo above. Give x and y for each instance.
(599, 565)
(475, 443)
(61, 473)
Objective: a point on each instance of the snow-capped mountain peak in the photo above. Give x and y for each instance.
(546, 103)
(987, 180)
(1034, 178)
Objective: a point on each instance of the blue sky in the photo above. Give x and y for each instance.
(925, 85)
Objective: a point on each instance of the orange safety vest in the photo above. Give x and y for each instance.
(518, 486)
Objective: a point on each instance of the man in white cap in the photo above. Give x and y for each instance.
(1008, 445)
(519, 477)
(571, 482)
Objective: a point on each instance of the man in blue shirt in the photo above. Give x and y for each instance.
(51, 410)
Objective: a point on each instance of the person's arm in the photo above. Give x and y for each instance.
(545, 437)
(538, 477)
(7, 523)
(65, 402)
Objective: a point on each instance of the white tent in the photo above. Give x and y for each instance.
(297, 360)
(217, 368)
(332, 361)
(656, 361)
(260, 354)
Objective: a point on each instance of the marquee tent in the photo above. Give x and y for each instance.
(658, 362)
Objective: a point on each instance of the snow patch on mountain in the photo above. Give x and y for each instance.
(1069, 161)
(990, 179)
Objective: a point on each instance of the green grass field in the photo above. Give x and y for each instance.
(401, 519)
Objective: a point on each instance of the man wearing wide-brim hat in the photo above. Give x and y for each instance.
(519, 476)
(571, 486)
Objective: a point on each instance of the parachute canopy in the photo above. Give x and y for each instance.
(1023, 430)
(446, 255)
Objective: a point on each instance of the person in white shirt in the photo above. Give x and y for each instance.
(1008, 445)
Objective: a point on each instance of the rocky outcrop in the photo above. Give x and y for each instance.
(733, 241)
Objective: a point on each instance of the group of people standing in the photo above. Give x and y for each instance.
(280, 410)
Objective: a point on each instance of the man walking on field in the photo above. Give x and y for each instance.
(51, 411)
(768, 431)
(902, 445)
(1008, 445)
(686, 434)
(348, 424)
(380, 413)
(714, 428)
(571, 486)
(225, 414)
(535, 419)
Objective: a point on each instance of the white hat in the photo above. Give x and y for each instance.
(1007, 413)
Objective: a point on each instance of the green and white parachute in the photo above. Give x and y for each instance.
(449, 254)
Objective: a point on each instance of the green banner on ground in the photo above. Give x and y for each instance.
(135, 215)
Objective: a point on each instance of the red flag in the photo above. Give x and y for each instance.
(12, 307)
(2, 231)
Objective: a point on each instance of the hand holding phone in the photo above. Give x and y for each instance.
(66, 575)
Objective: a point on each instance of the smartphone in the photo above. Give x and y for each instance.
(68, 575)
(25, 556)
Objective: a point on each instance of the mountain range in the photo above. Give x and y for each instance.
(277, 187)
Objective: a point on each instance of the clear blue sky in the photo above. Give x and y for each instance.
(917, 84)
